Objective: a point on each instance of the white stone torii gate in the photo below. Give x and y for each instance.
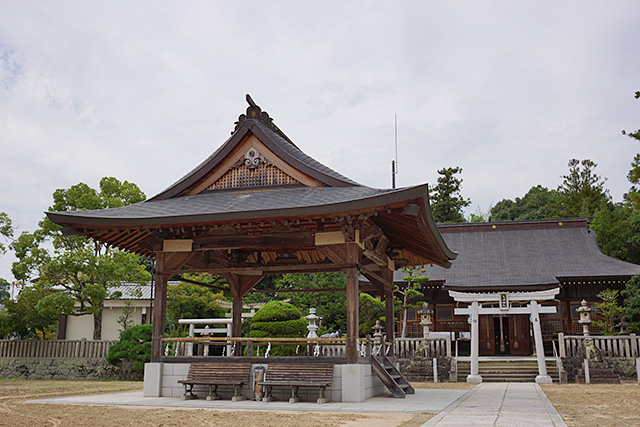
(504, 299)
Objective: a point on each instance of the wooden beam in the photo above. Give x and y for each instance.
(174, 261)
(264, 269)
(269, 241)
(248, 282)
(378, 277)
(336, 253)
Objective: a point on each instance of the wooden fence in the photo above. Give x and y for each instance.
(54, 348)
(408, 348)
(609, 345)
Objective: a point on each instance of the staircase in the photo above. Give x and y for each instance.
(507, 369)
(391, 377)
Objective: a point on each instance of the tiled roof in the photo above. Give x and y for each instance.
(220, 203)
(130, 290)
(297, 154)
(520, 256)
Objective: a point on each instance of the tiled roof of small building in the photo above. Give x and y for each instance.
(524, 254)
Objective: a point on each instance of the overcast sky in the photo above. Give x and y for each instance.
(144, 91)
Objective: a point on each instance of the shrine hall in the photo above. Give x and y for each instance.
(259, 205)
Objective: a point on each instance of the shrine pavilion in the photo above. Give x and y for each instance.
(259, 205)
(493, 294)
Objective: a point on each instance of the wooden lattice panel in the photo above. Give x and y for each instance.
(262, 176)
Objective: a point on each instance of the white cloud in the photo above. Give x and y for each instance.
(509, 91)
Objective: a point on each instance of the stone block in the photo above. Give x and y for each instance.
(180, 369)
(353, 386)
(152, 380)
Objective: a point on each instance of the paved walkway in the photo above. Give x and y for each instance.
(500, 404)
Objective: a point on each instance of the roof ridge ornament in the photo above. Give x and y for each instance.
(255, 112)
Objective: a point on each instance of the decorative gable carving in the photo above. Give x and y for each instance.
(253, 170)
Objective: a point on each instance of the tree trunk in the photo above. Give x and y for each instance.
(97, 324)
(404, 323)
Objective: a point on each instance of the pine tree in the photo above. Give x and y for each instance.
(446, 201)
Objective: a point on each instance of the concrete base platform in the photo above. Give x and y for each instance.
(425, 400)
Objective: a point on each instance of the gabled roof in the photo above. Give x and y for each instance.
(259, 183)
(257, 123)
(525, 254)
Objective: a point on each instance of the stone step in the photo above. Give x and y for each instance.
(507, 370)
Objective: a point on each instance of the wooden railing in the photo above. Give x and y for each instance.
(223, 346)
(54, 348)
(408, 348)
(608, 345)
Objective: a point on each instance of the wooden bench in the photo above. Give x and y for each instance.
(214, 375)
(308, 375)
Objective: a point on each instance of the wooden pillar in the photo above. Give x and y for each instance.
(390, 316)
(236, 325)
(159, 308)
(352, 304)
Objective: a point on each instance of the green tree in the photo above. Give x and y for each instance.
(633, 196)
(610, 310)
(536, 204)
(6, 230)
(582, 191)
(371, 309)
(85, 271)
(331, 306)
(34, 314)
(447, 203)
(125, 319)
(631, 295)
(409, 292)
(190, 301)
(480, 216)
(618, 231)
(4, 290)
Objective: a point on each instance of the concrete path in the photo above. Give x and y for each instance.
(500, 404)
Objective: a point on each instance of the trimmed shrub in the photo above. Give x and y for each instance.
(134, 346)
(274, 311)
(279, 320)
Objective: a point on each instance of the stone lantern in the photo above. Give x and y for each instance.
(623, 326)
(585, 317)
(425, 319)
(585, 320)
(313, 326)
(377, 335)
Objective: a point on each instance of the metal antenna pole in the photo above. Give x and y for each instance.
(394, 163)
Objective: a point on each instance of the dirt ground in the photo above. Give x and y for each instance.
(596, 405)
(579, 405)
(16, 411)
